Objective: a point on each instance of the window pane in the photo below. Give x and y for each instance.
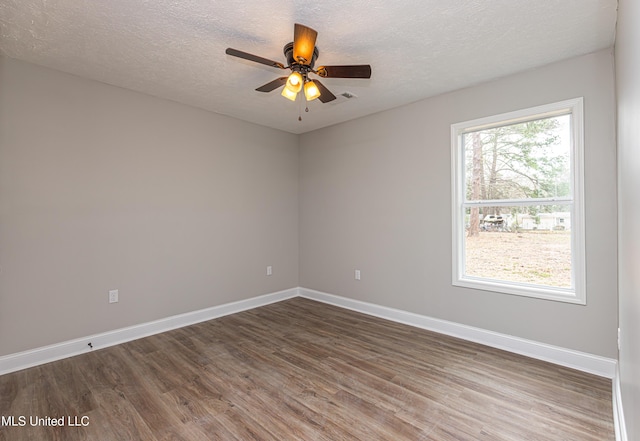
(519, 161)
(520, 244)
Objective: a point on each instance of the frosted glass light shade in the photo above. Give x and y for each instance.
(288, 94)
(311, 91)
(294, 82)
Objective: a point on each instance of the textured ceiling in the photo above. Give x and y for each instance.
(417, 48)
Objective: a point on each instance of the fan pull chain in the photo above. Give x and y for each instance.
(306, 109)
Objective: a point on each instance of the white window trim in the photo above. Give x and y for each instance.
(576, 294)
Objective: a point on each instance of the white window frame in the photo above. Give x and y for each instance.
(577, 292)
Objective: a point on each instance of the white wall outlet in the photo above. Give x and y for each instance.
(357, 274)
(113, 296)
(269, 270)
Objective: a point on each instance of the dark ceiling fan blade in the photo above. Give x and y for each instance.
(304, 42)
(325, 94)
(273, 85)
(251, 57)
(356, 71)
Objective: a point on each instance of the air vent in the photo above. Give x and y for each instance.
(348, 95)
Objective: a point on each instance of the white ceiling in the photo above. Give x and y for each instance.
(417, 48)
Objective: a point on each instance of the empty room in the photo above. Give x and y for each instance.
(285, 220)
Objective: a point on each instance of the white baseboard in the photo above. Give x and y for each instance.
(594, 364)
(22, 360)
(618, 413)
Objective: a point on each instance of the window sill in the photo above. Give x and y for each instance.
(565, 295)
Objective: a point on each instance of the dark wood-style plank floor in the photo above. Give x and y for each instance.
(303, 370)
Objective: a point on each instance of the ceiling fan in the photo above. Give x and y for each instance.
(301, 55)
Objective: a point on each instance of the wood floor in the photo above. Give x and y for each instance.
(302, 370)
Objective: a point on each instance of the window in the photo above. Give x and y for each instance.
(518, 215)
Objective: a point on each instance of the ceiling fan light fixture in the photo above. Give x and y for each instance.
(294, 82)
(311, 91)
(289, 94)
(301, 55)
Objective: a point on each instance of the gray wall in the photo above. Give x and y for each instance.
(103, 188)
(181, 209)
(375, 194)
(628, 94)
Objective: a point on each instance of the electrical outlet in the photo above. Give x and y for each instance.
(113, 296)
(269, 270)
(357, 274)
